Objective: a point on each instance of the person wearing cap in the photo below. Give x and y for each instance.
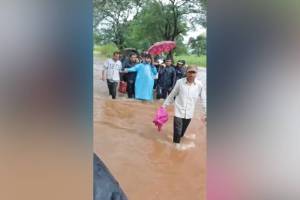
(144, 82)
(166, 79)
(180, 69)
(185, 95)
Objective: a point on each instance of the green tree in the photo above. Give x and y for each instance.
(181, 48)
(198, 45)
(163, 20)
(169, 17)
(202, 17)
(111, 19)
(140, 23)
(152, 24)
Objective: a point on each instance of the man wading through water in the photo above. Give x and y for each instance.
(186, 93)
(112, 67)
(166, 79)
(130, 76)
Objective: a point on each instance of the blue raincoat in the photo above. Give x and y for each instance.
(144, 80)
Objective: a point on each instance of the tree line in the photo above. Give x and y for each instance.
(140, 23)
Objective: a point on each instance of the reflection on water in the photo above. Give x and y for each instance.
(143, 160)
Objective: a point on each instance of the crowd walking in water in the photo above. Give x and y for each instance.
(148, 77)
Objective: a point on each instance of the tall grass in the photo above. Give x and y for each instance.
(192, 59)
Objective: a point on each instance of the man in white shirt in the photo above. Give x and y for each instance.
(186, 93)
(112, 67)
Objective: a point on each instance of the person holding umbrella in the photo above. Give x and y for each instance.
(167, 74)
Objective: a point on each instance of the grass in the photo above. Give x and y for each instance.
(193, 59)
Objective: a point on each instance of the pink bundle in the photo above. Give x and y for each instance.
(161, 117)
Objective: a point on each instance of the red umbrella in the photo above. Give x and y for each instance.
(163, 46)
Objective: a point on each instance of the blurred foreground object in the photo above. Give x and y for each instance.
(105, 185)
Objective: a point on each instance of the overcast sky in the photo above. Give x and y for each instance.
(199, 30)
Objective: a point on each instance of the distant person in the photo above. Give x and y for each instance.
(130, 76)
(180, 69)
(112, 67)
(144, 78)
(122, 57)
(157, 61)
(166, 79)
(187, 90)
(143, 57)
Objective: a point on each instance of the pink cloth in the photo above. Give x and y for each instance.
(161, 117)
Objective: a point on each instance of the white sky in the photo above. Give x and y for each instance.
(199, 30)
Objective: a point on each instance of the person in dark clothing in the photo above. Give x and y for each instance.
(157, 61)
(180, 69)
(130, 76)
(166, 79)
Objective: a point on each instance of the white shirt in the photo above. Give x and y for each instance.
(113, 69)
(186, 98)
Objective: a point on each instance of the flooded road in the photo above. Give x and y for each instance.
(143, 160)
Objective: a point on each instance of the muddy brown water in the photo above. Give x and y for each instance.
(143, 160)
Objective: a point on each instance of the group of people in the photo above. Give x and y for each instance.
(163, 79)
(176, 84)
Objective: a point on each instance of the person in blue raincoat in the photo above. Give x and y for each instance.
(144, 78)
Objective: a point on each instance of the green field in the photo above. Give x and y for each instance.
(193, 60)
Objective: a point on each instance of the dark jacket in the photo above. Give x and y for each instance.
(166, 77)
(129, 75)
(105, 186)
(180, 72)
